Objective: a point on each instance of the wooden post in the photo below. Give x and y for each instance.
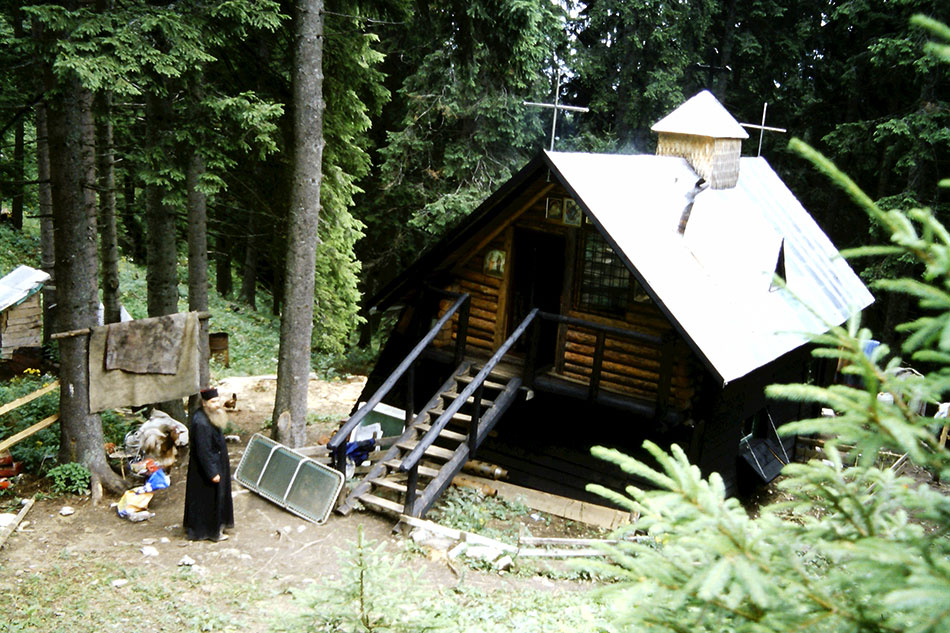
(410, 392)
(598, 364)
(411, 482)
(531, 360)
(666, 376)
(462, 334)
(473, 425)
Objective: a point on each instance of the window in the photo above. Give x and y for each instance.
(606, 285)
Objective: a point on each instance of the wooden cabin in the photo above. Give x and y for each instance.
(21, 312)
(602, 299)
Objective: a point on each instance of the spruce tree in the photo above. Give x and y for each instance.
(855, 546)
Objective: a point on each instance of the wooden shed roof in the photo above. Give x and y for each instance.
(20, 285)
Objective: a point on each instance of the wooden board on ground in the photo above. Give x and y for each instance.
(581, 511)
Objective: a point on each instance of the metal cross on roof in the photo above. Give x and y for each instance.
(556, 106)
(762, 128)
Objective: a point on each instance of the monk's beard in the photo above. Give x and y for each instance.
(217, 416)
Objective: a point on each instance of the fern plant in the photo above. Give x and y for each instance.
(855, 547)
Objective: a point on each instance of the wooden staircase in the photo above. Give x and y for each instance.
(437, 442)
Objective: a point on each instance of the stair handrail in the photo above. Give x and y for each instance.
(411, 460)
(340, 437)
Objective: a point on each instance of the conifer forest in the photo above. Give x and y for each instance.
(314, 149)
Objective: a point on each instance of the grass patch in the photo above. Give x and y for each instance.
(84, 591)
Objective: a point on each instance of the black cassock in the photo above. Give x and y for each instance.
(208, 505)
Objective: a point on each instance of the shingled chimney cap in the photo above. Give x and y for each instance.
(702, 115)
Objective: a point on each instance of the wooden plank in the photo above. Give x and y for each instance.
(39, 426)
(10, 529)
(474, 276)
(456, 535)
(29, 397)
(380, 502)
(432, 451)
(502, 308)
(589, 513)
(423, 470)
(559, 553)
(389, 484)
(446, 433)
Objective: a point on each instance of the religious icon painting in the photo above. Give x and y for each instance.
(554, 209)
(494, 263)
(572, 213)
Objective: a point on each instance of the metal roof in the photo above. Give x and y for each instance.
(19, 285)
(701, 115)
(714, 282)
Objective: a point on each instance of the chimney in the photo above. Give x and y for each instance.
(704, 133)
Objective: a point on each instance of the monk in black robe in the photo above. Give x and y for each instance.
(209, 509)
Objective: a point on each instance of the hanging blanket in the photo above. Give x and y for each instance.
(146, 346)
(119, 387)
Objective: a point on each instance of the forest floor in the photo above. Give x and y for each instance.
(269, 548)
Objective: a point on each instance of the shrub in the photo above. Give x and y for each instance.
(71, 478)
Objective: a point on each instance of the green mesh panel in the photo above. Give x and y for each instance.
(291, 480)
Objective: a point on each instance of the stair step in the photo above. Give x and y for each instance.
(458, 417)
(390, 484)
(447, 434)
(488, 383)
(380, 502)
(471, 399)
(425, 471)
(432, 451)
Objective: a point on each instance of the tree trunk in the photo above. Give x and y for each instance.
(45, 202)
(161, 274)
(222, 263)
(72, 170)
(133, 239)
(296, 325)
(198, 263)
(249, 270)
(16, 204)
(108, 241)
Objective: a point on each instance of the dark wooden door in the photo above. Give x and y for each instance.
(537, 282)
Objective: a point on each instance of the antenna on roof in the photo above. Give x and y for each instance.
(762, 128)
(556, 106)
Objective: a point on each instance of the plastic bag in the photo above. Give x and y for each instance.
(158, 480)
(133, 505)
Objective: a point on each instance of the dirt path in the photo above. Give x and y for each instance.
(268, 543)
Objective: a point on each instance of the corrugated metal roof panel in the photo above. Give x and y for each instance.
(714, 281)
(20, 284)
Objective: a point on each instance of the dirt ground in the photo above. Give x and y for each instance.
(267, 541)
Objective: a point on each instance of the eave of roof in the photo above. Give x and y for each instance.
(19, 285)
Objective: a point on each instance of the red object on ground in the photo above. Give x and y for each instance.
(11, 471)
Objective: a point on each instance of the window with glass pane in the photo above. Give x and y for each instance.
(605, 284)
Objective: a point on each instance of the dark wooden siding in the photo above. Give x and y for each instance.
(628, 368)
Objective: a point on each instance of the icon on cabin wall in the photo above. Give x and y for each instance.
(495, 263)
(554, 209)
(572, 213)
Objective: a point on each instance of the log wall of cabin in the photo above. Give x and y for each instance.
(21, 326)
(629, 367)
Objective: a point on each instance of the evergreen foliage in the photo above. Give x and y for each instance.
(854, 547)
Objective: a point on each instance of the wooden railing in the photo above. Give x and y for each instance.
(337, 443)
(663, 343)
(477, 431)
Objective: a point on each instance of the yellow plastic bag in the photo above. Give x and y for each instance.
(134, 504)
